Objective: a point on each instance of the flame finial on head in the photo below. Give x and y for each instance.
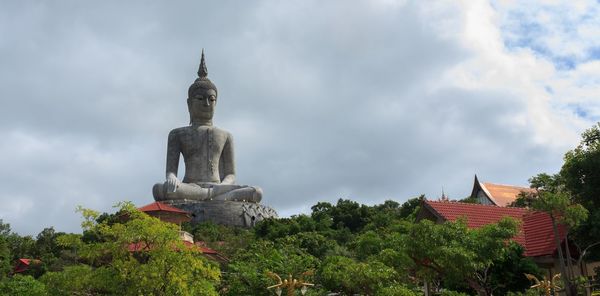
(202, 82)
(202, 71)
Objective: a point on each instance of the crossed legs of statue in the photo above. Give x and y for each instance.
(191, 191)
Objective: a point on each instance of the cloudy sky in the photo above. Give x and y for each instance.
(367, 100)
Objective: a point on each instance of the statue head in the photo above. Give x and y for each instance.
(202, 95)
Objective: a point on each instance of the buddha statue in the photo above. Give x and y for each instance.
(207, 153)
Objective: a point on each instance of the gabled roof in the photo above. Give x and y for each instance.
(210, 253)
(158, 206)
(204, 248)
(23, 264)
(142, 246)
(498, 194)
(536, 234)
(477, 215)
(166, 213)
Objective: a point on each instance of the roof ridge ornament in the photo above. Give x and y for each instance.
(202, 71)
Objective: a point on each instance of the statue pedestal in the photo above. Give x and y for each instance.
(231, 213)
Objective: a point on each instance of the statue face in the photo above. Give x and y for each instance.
(201, 104)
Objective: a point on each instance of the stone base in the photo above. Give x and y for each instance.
(231, 213)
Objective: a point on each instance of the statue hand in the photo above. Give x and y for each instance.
(172, 183)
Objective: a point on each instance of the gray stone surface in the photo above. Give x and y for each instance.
(233, 213)
(208, 189)
(207, 152)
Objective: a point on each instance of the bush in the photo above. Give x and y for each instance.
(22, 286)
(396, 290)
(452, 293)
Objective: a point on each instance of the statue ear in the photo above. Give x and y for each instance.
(189, 101)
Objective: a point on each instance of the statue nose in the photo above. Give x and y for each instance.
(207, 102)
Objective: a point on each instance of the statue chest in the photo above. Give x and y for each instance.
(204, 143)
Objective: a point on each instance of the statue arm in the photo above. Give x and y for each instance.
(173, 152)
(227, 162)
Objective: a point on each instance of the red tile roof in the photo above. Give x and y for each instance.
(142, 246)
(204, 248)
(477, 215)
(23, 264)
(539, 235)
(158, 206)
(536, 234)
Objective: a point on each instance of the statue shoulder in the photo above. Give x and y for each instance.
(222, 132)
(179, 131)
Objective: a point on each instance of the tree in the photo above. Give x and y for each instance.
(396, 290)
(411, 206)
(581, 170)
(227, 240)
(345, 275)
(82, 280)
(367, 244)
(456, 253)
(5, 252)
(506, 272)
(345, 214)
(140, 256)
(22, 285)
(561, 211)
(580, 176)
(247, 272)
(312, 243)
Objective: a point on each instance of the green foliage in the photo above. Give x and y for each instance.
(456, 253)
(345, 214)
(469, 199)
(22, 286)
(21, 246)
(545, 182)
(345, 275)
(529, 292)
(247, 272)
(580, 176)
(226, 240)
(411, 206)
(507, 271)
(581, 170)
(83, 280)
(312, 243)
(395, 290)
(5, 254)
(524, 200)
(162, 264)
(367, 244)
(452, 293)
(273, 229)
(559, 206)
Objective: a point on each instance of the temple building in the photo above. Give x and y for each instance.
(496, 194)
(177, 216)
(24, 264)
(535, 236)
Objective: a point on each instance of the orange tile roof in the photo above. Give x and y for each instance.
(158, 206)
(503, 195)
(536, 235)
